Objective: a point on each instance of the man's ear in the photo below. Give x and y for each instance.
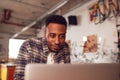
(45, 32)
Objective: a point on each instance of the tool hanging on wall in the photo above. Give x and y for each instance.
(98, 12)
(112, 9)
(118, 7)
(101, 14)
(94, 13)
(118, 13)
(103, 10)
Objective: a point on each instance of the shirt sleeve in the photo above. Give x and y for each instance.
(22, 60)
(67, 54)
(67, 57)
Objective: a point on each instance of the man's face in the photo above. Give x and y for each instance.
(55, 35)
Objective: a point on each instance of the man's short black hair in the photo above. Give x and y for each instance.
(56, 19)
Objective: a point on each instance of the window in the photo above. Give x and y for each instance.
(14, 46)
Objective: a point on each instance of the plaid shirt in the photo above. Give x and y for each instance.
(35, 50)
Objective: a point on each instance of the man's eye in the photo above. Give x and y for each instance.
(62, 36)
(52, 35)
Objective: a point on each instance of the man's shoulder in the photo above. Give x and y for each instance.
(35, 40)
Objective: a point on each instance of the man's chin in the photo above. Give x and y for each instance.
(55, 50)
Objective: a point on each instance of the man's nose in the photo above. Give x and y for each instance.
(57, 40)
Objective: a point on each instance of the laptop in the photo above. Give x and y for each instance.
(101, 71)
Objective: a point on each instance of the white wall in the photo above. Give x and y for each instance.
(106, 30)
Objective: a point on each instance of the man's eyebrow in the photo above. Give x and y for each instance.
(52, 33)
(62, 34)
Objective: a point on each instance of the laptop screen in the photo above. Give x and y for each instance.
(72, 72)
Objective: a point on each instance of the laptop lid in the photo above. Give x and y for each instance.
(72, 72)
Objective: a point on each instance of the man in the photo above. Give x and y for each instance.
(48, 49)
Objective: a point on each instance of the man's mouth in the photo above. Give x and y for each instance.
(56, 47)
